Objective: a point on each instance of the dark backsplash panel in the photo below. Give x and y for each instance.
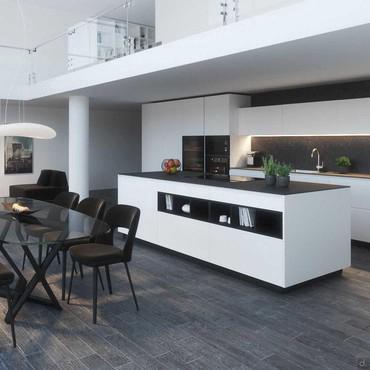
(296, 150)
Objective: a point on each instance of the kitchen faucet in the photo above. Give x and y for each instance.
(319, 165)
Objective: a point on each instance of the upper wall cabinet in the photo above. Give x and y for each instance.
(346, 117)
(221, 113)
(261, 121)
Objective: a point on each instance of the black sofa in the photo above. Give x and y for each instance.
(49, 185)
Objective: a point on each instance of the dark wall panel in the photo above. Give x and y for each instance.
(296, 150)
(340, 91)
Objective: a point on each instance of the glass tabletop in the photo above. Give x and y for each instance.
(44, 223)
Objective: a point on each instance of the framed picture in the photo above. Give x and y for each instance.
(18, 155)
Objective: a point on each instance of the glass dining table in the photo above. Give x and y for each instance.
(46, 226)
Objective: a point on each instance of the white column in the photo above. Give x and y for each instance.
(79, 145)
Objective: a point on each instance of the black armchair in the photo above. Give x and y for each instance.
(49, 185)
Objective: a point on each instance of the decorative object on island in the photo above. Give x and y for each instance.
(269, 168)
(343, 163)
(171, 166)
(18, 155)
(282, 171)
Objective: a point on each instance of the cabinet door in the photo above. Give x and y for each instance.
(261, 121)
(217, 115)
(164, 125)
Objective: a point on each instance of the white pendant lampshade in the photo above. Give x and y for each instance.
(27, 129)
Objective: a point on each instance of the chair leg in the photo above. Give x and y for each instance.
(58, 258)
(132, 286)
(95, 292)
(107, 273)
(81, 270)
(71, 280)
(40, 254)
(24, 261)
(64, 273)
(100, 279)
(11, 317)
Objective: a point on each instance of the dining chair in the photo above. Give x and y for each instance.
(104, 253)
(91, 207)
(67, 200)
(6, 278)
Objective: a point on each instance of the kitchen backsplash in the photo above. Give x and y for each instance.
(296, 150)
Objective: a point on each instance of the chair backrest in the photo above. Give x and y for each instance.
(126, 217)
(92, 207)
(58, 179)
(53, 178)
(44, 178)
(67, 199)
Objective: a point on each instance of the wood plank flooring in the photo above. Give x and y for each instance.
(192, 317)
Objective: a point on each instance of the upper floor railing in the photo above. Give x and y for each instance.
(117, 33)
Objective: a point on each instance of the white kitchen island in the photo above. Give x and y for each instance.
(298, 234)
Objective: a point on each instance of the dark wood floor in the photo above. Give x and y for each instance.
(192, 317)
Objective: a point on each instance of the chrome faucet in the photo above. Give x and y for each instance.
(319, 165)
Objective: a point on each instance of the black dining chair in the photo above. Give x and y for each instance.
(104, 253)
(67, 200)
(6, 278)
(91, 207)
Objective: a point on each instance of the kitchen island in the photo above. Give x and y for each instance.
(282, 237)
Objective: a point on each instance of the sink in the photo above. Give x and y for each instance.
(305, 171)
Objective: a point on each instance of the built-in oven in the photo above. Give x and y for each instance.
(193, 153)
(217, 156)
(207, 155)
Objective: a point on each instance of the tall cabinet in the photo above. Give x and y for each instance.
(164, 124)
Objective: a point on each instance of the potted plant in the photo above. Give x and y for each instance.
(269, 168)
(282, 171)
(344, 164)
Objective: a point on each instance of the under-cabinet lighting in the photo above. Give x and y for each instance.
(309, 135)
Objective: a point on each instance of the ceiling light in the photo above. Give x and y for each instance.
(27, 129)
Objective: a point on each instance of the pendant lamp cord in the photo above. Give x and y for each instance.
(19, 67)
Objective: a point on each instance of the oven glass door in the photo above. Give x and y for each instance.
(193, 153)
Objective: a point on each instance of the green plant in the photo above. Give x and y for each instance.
(269, 165)
(283, 169)
(343, 161)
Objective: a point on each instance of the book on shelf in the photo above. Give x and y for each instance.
(169, 202)
(247, 217)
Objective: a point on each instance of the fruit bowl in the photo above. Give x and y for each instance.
(171, 166)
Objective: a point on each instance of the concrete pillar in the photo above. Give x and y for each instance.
(79, 145)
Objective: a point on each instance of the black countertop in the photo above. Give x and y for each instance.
(355, 175)
(256, 186)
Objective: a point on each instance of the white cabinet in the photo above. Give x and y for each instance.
(261, 120)
(216, 115)
(360, 197)
(164, 124)
(343, 117)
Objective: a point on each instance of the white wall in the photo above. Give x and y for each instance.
(114, 146)
(51, 154)
(176, 19)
